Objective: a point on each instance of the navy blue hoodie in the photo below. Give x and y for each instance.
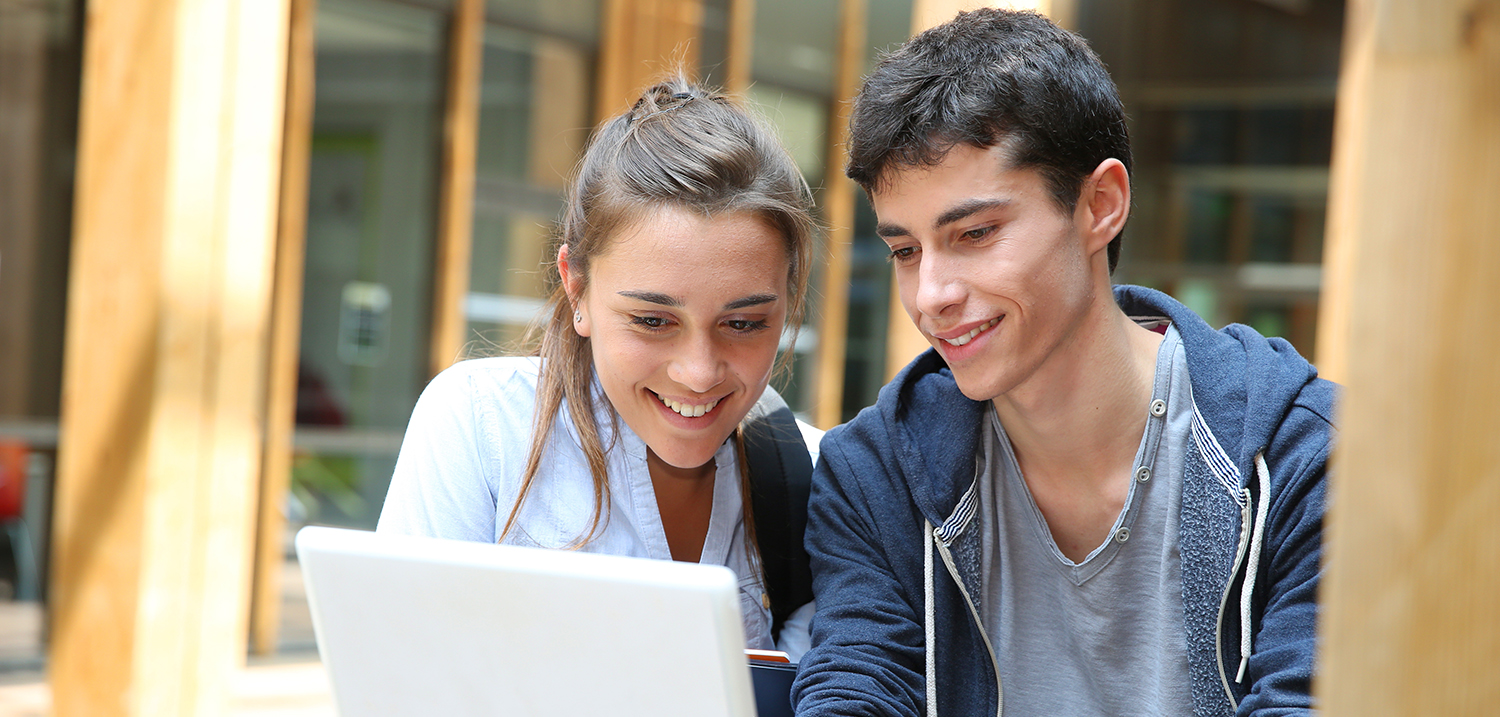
(896, 570)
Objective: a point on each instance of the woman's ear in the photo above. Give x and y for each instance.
(572, 282)
(1106, 201)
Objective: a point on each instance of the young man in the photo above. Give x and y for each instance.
(1083, 500)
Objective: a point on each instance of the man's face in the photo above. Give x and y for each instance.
(990, 269)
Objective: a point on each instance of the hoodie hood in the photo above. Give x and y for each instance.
(1243, 383)
(942, 445)
(1243, 386)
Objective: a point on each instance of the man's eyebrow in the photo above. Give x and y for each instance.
(966, 209)
(652, 297)
(959, 212)
(749, 301)
(890, 231)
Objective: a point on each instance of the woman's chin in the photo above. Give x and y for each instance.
(687, 457)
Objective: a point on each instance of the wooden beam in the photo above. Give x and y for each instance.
(903, 341)
(1413, 279)
(286, 328)
(167, 328)
(838, 212)
(640, 40)
(741, 50)
(456, 188)
(931, 13)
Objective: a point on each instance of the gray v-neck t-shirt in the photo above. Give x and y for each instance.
(1104, 636)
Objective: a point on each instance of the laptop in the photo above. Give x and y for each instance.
(422, 626)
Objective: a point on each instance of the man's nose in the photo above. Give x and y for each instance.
(938, 285)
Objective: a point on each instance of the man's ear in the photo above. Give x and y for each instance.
(1105, 204)
(572, 282)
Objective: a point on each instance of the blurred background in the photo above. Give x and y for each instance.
(1231, 109)
(423, 147)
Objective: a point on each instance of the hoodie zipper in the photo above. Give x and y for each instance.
(979, 623)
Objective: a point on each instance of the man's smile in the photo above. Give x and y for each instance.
(968, 336)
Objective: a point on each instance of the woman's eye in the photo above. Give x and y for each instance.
(650, 322)
(746, 325)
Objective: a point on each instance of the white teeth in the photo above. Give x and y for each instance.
(688, 410)
(966, 338)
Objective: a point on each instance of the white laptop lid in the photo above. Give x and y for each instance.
(421, 626)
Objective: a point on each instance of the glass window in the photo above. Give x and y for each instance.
(870, 271)
(1231, 107)
(791, 84)
(40, 55)
(713, 43)
(380, 69)
(535, 115)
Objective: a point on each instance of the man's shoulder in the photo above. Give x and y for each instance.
(919, 440)
(921, 402)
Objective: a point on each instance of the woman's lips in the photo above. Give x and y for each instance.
(687, 409)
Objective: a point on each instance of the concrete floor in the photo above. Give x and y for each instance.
(289, 686)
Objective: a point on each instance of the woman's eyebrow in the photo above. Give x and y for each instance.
(652, 297)
(749, 301)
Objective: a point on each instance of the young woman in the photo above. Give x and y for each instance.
(684, 251)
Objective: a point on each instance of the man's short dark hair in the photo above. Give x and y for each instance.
(991, 76)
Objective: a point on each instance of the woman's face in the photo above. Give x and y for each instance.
(684, 314)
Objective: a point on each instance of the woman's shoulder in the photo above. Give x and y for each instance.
(499, 388)
(515, 373)
(812, 436)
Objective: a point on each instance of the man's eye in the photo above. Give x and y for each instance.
(903, 254)
(979, 233)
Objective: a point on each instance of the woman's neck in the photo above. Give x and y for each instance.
(685, 499)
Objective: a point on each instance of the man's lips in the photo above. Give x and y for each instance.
(968, 336)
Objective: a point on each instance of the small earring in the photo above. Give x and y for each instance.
(577, 317)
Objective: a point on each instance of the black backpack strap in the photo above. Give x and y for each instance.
(780, 471)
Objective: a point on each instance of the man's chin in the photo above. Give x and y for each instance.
(975, 390)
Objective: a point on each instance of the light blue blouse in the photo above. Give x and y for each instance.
(464, 453)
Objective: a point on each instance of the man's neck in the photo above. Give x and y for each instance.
(1080, 418)
(1076, 424)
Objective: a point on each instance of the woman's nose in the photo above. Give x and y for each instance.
(698, 367)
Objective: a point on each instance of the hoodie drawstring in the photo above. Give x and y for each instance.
(929, 538)
(1252, 567)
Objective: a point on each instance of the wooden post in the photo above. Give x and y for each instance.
(167, 328)
(838, 212)
(1413, 563)
(286, 328)
(456, 190)
(903, 341)
(640, 40)
(931, 13)
(741, 47)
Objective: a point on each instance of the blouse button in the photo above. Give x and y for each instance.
(1122, 535)
(1143, 474)
(1158, 408)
